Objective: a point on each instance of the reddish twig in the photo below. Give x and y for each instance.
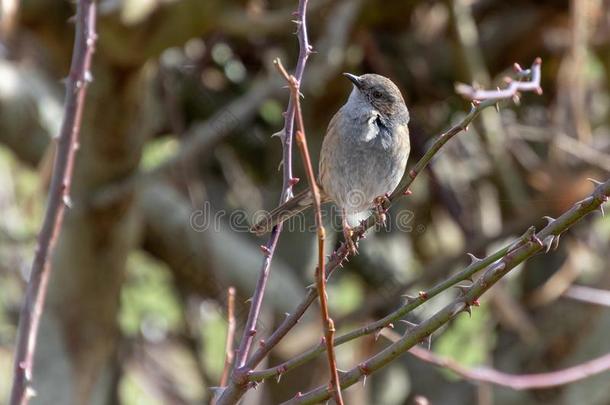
(327, 322)
(269, 249)
(239, 383)
(59, 197)
(230, 336)
(514, 381)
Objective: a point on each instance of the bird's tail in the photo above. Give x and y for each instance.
(290, 208)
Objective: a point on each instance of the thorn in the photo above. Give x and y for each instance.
(390, 325)
(476, 303)
(377, 334)
(549, 220)
(248, 300)
(538, 61)
(507, 79)
(423, 295)
(254, 385)
(265, 250)
(497, 105)
(67, 201)
(548, 242)
(534, 238)
(601, 209)
(364, 381)
(539, 91)
(584, 201)
(407, 192)
(462, 289)
(261, 343)
(556, 242)
(364, 369)
(293, 181)
(516, 99)
(252, 332)
(408, 298)
(280, 372)
(517, 67)
(217, 391)
(468, 309)
(410, 325)
(286, 314)
(473, 258)
(412, 173)
(595, 182)
(30, 392)
(427, 341)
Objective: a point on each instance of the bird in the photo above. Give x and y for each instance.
(363, 156)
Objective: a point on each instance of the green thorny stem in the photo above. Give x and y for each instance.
(545, 240)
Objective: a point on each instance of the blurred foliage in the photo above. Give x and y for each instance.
(163, 69)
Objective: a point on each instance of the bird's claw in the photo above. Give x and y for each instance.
(380, 210)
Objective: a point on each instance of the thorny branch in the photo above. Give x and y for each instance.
(327, 322)
(544, 240)
(288, 182)
(59, 198)
(411, 303)
(338, 257)
(238, 384)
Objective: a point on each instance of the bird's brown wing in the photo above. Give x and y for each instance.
(290, 208)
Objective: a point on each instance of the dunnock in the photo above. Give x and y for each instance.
(364, 153)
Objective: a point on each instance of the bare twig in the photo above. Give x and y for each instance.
(230, 336)
(513, 88)
(546, 238)
(589, 295)
(327, 322)
(513, 381)
(59, 197)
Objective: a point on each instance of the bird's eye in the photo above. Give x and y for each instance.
(377, 94)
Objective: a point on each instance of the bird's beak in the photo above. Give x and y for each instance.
(353, 78)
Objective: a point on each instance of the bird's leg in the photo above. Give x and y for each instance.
(348, 233)
(380, 211)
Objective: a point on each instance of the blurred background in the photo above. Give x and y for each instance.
(176, 156)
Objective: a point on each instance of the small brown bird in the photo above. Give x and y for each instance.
(363, 156)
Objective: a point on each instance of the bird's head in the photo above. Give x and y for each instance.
(381, 93)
